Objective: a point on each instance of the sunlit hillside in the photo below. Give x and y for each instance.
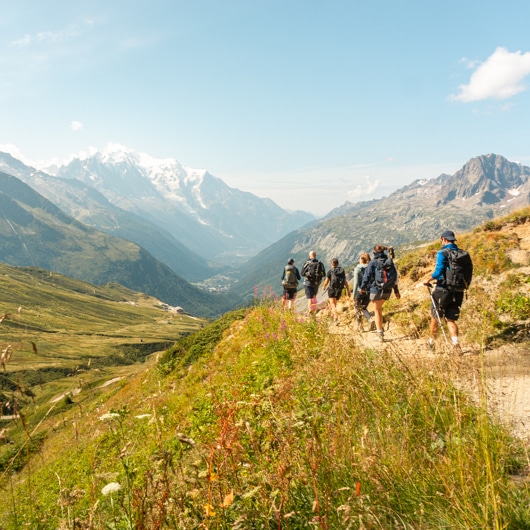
(271, 419)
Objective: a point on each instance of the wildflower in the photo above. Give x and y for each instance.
(111, 487)
(109, 416)
(228, 500)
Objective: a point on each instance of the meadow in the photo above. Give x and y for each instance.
(270, 419)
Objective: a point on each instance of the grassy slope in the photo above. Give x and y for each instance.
(60, 336)
(265, 420)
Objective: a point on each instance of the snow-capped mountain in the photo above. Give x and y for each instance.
(200, 210)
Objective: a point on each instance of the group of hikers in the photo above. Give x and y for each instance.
(374, 281)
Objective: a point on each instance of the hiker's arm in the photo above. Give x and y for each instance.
(396, 292)
(365, 284)
(441, 265)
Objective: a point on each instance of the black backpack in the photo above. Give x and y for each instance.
(290, 281)
(459, 270)
(313, 271)
(337, 279)
(385, 273)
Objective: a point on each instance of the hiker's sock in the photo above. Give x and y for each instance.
(431, 341)
(455, 340)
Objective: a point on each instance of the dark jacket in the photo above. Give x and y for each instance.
(305, 268)
(291, 267)
(369, 275)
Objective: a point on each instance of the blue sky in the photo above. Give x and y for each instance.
(310, 103)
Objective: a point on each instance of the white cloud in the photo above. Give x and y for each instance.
(76, 126)
(13, 150)
(54, 37)
(500, 76)
(364, 189)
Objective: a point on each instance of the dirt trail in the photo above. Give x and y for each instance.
(500, 376)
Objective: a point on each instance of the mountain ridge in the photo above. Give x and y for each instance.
(200, 210)
(416, 212)
(35, 232)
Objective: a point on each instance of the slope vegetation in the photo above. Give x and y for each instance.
(33, 231)
(267, 419)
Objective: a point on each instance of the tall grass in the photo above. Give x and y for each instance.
(281, 425)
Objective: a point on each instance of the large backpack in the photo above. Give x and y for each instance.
(337, 279)
(385, 274)
(313, 271)
(290, 281)
(459, 270)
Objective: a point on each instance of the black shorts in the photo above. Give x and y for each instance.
(380, 295)
(334, 293)
(448, 304)
(310, 290)
(289, 294)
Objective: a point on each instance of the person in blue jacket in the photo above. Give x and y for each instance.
(447, 302)
(378, 295)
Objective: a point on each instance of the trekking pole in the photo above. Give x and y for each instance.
(433, 302)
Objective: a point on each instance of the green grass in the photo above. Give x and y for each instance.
(277, 424)
(264, 419)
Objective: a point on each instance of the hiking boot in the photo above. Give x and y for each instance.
(372, 326)
(457, 350)
(431, 346)
(380, 336)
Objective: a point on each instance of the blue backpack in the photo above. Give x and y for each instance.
(385, 274)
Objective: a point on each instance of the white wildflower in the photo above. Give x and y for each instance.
(111, 487)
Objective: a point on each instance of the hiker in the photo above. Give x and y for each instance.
(335, 283)
(313, 271)
(361, 302)
(380, 279)
(290, 278)
(448, 295)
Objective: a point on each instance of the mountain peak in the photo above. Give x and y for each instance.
(485, 179)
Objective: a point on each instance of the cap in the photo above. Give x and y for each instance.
(450, 236)
(290, 261)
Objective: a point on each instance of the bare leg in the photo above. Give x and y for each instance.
(333, 307)
(378, 314)
(434, 328)
(453, 328)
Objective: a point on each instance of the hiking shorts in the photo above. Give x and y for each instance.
(447, 303)
(380, 295)
(311, 290)
(289, 294)
(334, 293)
